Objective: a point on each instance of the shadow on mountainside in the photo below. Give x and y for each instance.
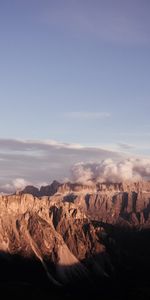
(23, 277)
(129, 249)
(123, 273)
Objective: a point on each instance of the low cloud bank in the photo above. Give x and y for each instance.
(14, 185)
(24, 162)
(109, 170)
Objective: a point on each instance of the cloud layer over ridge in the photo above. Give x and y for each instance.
(110, 170)
(39, 162)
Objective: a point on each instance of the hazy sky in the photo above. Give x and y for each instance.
(76, 72)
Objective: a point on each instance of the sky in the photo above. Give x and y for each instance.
(72, 73)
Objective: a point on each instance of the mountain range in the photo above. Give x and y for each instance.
(70, 239)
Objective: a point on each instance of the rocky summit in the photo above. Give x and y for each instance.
(127, 202)
(72, 238)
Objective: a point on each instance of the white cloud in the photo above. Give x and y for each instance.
(14, 185)
(109, 170)
(36, 161)
(19, 183)
(87, 115)
(28, 145)
(24, 162)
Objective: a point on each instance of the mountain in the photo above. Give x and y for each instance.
(55, 233)
(108, 202)
(68, 239)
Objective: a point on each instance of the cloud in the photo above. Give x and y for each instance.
(36, 161)
(111, 21)
(109, 170)
(17, 184)
(24, 162)
(87, 115)
(126, 147)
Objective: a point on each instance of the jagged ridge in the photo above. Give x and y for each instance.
(106, 202)
(52, 231)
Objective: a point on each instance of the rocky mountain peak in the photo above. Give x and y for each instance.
(71, 229)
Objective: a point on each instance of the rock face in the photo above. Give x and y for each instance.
(112, 203)
(54, 232)
(48, 190)
(105, 202)
(78, 234)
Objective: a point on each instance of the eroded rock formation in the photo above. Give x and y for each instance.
(105, 201)
(50, 230)
(78, 233)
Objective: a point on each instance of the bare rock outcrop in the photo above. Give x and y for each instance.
(110, 202)
(107, 202)
(54, 232)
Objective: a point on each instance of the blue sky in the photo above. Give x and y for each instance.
(76, 72)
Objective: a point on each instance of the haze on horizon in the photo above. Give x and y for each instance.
(74, 89)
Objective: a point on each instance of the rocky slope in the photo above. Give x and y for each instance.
(111, 203)
(56, 233)
(77, 237)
